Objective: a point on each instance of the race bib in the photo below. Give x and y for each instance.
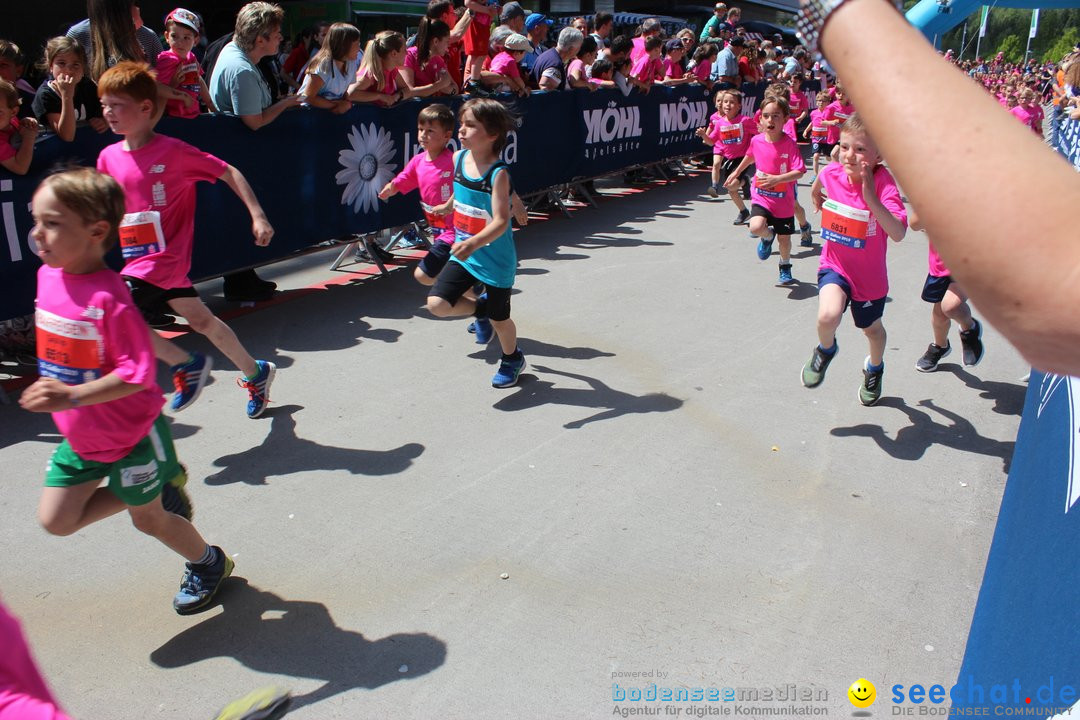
(841, 116)
(67, 350)
(434, 220)
(731, 134)
(140, 235)
(819, 132)
(844, 225)
(469, 220)
(776, 191)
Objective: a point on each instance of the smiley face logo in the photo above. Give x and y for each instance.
(862, 693)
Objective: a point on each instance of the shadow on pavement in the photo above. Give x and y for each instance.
(614, 403)
(1008, 397)
(299, 639)
(533, 348)
(912, 442)
(283, 453)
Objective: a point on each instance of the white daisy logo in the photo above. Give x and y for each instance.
(367, 167)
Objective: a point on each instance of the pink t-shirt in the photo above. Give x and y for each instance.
(702, 71)
(435, 179)
(637, 48)
(855, 244)
(1022, 114)
(937, 267)
(576, 68)
(797, 102)
(23, 692)
(647, 69)
(836, 111)
(7, 150)
(504, 64)
(776, 158)
(819, 132)
(168, 66)
(731, 138)
(389, 81)
(672, 70)
(428, 74)
(159, 179)
(789, 129)
(88, 327)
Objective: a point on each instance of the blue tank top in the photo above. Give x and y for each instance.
(496, 263)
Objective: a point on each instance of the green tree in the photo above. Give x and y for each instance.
(1012, 48)
(1062, 46)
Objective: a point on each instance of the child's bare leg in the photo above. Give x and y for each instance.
(737, 198)
(717, 162)
(173, 531)
(221, 335)
(66, 510)
(422, 277)
(939, 321)
(506, 331)
(831, 299)
(954, 307)
(817, 160)
(759, 226)
(476, 65)
(800, 214)
(441, 308)
(784, 246)
(875, 334)
(168, 351)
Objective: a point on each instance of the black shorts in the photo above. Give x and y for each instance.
(728, 165)
(934, 289)
(435, 260)
(824, 148)
(149, 298)
(864, 312)
(781, 226)
(454, 281)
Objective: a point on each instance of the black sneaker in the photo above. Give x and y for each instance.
(475, 89)
(743, 218)
(201, 583)
(929, 361)
(870, 391)
(971, 343)
(814, 370)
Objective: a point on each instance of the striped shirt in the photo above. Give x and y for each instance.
(148, 41)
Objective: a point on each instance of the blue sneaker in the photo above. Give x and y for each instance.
(484, 331)
(509, 371)
(258, 388)
(201, 583)
(764, 247)
(785, 274)
(189, 379)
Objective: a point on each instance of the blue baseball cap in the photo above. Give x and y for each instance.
(535, 19)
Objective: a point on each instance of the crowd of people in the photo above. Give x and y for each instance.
(98, 357)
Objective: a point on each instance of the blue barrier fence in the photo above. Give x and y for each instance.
(317, 174)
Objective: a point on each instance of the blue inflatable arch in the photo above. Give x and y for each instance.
(936, 17)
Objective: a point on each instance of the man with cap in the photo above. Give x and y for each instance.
(513, 17)
(536, 27)
(726, 68)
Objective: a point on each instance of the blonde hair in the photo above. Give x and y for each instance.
(854, 125)
(375, 53)
(254, 20)
(91, 195)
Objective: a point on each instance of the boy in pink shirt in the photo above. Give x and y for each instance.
(648, 69)
(836, 114)
(97, 372)
(178, 69)
(507, 65)
(671, 67)
(863, 210)
(949, 303)
(729, 134)
(158, 175)
(818, 132)
(772, 192)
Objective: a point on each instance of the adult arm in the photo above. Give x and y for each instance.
(1018, 266)
(458, 31)
(271, 113)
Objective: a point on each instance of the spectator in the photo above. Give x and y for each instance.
(711, 31)
(505, 65)
(619, 49)
(67, 96)
(333, 69)
(549, 70)
(513, 17)
(297, 60)
(602, 73)
(236, 84)
(12, 65)
(576, 74)
(114, 31)
(648, 68)
(672, 64)
(581, 24)
(377, 79)
(726, 67)
(701, 67)
(178, 69)
(603, 22)
(734, 16)
(424, 72)
(536, 27)
(444, 10)
(686, 37)
(795, 64)
(649, 28)
(12, 159)
(749, 65)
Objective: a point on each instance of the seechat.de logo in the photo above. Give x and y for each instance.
(862, 693)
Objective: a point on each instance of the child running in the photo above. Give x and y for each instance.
(97, 368)
(729, 134)
(158, 174)
(818, 132)
(863, 210)
(949, 304)
(484, 251)
(772, 191)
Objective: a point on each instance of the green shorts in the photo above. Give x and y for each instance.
(136, 478)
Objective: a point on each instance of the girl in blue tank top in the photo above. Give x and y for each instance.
(483, 250)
